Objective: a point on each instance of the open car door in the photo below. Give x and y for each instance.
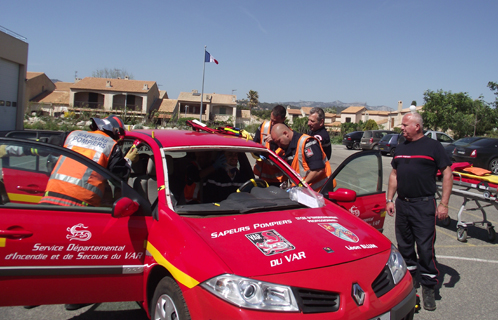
(67, 254)
(358, 187)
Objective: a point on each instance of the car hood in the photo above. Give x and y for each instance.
(288, 241)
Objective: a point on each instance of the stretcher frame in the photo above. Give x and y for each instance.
(476, 192)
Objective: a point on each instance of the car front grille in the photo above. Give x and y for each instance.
(383, 283)
(314, 301)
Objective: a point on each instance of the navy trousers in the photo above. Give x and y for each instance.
(416, 224)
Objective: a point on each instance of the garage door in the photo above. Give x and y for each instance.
(9, 81)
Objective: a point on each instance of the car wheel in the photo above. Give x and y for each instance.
(493, 165)
(356, 146)
(349, 147)
(391, 153)
(168, 302)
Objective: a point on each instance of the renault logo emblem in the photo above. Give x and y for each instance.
(358, 294)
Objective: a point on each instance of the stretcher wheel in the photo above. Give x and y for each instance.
(462, 234)
(491, 234)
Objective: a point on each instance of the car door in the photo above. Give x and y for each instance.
(362, 173)
(56, 254)
(443, 138)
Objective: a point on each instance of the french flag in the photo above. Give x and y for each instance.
(210, 58)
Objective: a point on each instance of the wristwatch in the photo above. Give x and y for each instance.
(389, 200)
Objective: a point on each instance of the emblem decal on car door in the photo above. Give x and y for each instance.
(78, 234)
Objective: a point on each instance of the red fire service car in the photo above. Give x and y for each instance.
(277, 250)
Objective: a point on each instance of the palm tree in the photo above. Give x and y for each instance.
(253, 99)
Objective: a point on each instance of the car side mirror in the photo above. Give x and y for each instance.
(343, 195)
(124, 207)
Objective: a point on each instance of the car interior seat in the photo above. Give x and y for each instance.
(145, 183)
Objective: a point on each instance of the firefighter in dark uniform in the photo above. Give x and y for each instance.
(415, 165)
(304, 154)
(316, 124)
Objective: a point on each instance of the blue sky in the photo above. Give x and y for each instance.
(370, 51)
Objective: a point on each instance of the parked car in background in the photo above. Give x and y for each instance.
(352, 140)
(439, 136)
(459, 143)
(389, 143)
(482, 153)
(370, 139)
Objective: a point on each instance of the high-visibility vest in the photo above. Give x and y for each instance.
(191, 192)
(265, 170)
(264, 132)
(301, 166)
(74, 184)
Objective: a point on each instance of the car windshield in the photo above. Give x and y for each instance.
(387, 137)
(210, 181)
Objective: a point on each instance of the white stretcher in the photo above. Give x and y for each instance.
(478, 192)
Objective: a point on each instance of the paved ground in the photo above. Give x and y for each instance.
(468, 278)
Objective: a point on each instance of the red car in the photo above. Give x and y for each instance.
(265, 251)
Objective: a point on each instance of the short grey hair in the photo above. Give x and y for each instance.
(319, 112)
(417, 118)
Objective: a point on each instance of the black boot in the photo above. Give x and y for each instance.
(429, 298)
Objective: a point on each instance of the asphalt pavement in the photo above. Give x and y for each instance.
(468, 270)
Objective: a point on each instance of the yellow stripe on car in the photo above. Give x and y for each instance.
(23, 198)
(179, 275)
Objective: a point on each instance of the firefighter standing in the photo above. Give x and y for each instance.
(73, 184)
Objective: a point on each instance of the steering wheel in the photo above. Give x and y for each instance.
(251, 183)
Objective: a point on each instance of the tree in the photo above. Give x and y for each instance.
(300, 125)
(253, 99)
(493, 86)
(371, 125)
(348, 127)
(414, 103)
(457, 112)
(111, 73)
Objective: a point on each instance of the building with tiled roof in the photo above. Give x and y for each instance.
(134, 98)
(215, 106)
(167, 108)
(352, 114)
(395, 117)
(37, 85)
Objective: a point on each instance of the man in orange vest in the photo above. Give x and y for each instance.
(304, 154)
(262, 135)
(73, 184)
(263, 169)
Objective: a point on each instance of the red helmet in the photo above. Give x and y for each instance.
(112, 125)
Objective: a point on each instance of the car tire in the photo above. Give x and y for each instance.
(356, 146)
(493, 165)
(391, 153)
(349, 147)
(168, 301)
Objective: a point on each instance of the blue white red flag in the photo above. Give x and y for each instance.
(210, 58)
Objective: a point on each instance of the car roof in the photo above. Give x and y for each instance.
(181, 138)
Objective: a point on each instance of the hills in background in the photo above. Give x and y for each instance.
(337, 105)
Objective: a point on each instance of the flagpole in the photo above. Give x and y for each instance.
(203, 72)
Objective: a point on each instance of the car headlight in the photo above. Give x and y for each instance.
(396, 265)
(252, 294)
